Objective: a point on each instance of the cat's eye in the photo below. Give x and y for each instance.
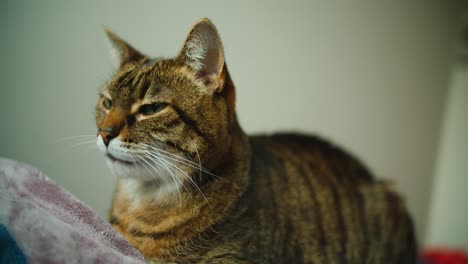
(150, 109)
(107, 103)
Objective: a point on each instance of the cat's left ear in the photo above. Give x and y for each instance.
(203, 52)
(123, 51)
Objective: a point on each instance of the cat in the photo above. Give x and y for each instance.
(194, 188)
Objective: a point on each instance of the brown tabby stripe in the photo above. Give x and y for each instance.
(171, 124)
(306, 174)
(179, 149)
(398, 222)
(305, 171)
(259, 159)
(326, 178)
(153, 235)
(278, 179)
(357, 199)
(126, 77)
(363, 223)
(387, 216)
(343, 231)
(347, 204)
(227, 258)
(316, 188)
(375, 225)
(138, 79)
(190, 122)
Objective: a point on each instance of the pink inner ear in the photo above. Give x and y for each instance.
(212, 64)
(212, 67)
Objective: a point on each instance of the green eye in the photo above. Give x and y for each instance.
(107, 103)
(150, 109)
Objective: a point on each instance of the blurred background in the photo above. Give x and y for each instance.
(387, 81)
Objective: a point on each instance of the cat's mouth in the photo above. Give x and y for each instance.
(115, 159)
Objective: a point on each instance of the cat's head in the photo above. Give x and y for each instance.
(158, 119)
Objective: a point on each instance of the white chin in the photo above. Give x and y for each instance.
(125, 170)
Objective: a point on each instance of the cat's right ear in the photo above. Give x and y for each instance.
(122, 51)
(203, 52)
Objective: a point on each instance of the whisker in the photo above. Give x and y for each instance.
(171, 154)
(189, 178)
(157, 160)
(82, 143)
(74, 137)
(149, 169)
(65, 145)
(199, 161)
(184, 161)
(176, 180)
(184, 173)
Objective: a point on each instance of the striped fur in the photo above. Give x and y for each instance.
(284, 198)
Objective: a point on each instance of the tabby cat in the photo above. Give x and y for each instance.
(193, 188)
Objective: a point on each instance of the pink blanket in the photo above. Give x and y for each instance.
(50, 225)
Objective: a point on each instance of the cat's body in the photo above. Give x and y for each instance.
(265, 199)
(304, 201)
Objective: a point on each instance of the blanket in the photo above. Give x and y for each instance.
(46, 224)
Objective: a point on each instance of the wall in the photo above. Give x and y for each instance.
(449, 211)
(369, 76)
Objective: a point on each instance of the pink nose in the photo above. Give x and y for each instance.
(107, 134)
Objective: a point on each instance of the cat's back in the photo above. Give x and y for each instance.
(295, 150)
(322, 205)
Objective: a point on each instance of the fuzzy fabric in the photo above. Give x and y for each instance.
(50, 225)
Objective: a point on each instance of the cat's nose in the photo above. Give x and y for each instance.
(111, 126)
(107, 134)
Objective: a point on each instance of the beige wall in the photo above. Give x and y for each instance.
(448, 221)
(370, 76)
